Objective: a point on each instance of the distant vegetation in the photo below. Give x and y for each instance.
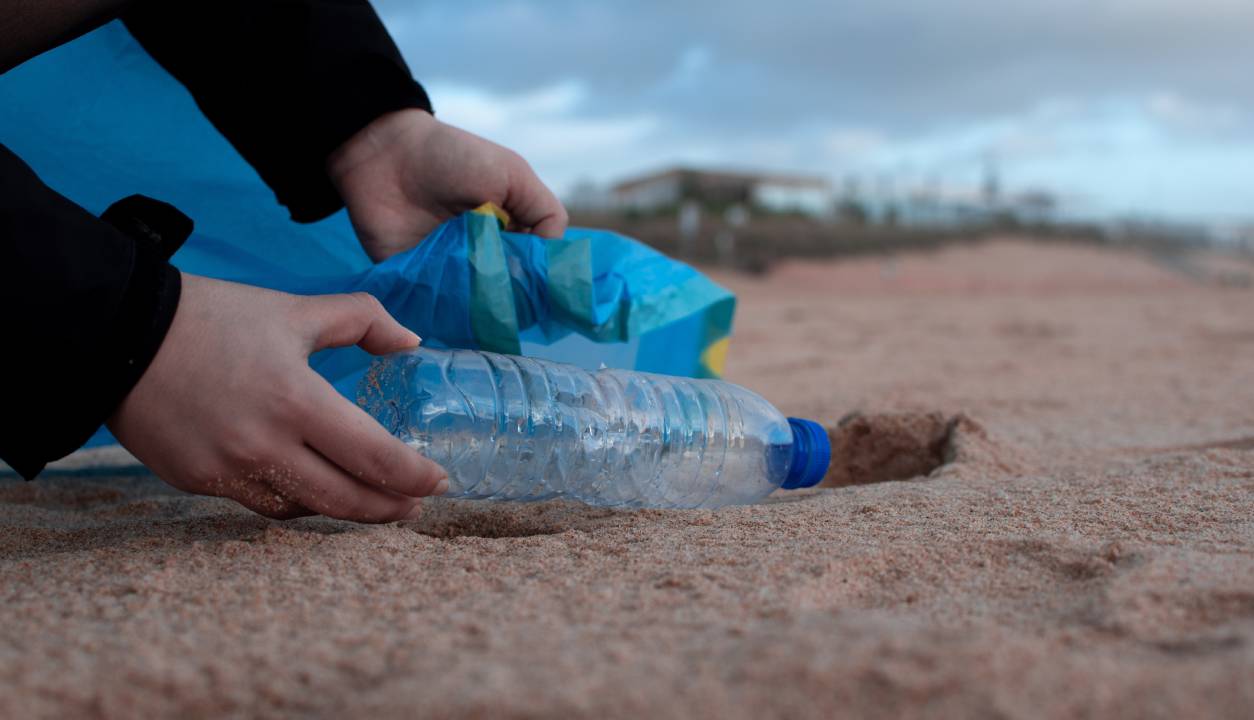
(748, 220)
(768, 237)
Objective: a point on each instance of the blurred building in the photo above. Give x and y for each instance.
(1239, 236)
(1034, 207)
(808, 195)
(586, 195)
(942, 206)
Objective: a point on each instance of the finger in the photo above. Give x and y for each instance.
(257, 495)
(265, 500)
(531, 204)
(551, 227)
(362, 448)
(316, 483)
(355, 319)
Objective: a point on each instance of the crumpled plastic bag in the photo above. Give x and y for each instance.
(592, 298)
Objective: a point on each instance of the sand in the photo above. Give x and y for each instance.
(1043, 507)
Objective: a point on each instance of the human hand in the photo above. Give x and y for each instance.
(230, 407)
(407, 172)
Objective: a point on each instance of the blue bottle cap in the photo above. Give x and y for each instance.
(811, 454)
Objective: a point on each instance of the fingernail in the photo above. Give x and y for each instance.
(442, 486)
(417, 339)
(414, 512)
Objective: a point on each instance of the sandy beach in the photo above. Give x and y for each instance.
(1042, 505)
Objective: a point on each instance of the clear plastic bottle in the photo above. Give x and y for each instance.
(515, 428)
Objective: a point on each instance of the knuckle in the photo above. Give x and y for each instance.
(366, 506)
(368, 302)
(276, 512)
(385, 463)
(337, 502)
(268, 502)
(300, 307)
(205, 480)
(397, 510)
(242, 448)
(402, 510)
(289, 397)
(289, 511)
(430, 476)
(355, 510)
(520, 168)
(515, 157)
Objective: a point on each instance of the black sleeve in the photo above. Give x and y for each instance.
(286, 81)
(83, 310)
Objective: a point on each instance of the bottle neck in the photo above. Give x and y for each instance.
(811, 454)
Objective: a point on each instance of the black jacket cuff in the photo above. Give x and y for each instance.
(84, 308)
(142, 321)
(304, 188)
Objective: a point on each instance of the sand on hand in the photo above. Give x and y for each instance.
(1042, 506)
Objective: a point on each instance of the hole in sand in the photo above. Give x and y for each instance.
(879, 448)
(873, 448)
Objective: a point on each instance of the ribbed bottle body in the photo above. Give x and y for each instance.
(514, 428)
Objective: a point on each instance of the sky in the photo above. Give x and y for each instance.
(1121, 107)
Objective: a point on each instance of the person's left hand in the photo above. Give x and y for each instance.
(407, 172)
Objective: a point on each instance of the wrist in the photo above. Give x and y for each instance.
(377, 142)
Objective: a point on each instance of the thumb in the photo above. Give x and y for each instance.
(356, 319)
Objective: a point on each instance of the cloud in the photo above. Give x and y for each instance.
(844, 143)
(1186, 115)
(1116, 155)
(881, 62)
(1082, 93)
(544, 126)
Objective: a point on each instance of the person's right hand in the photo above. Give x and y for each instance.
(230, 407)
